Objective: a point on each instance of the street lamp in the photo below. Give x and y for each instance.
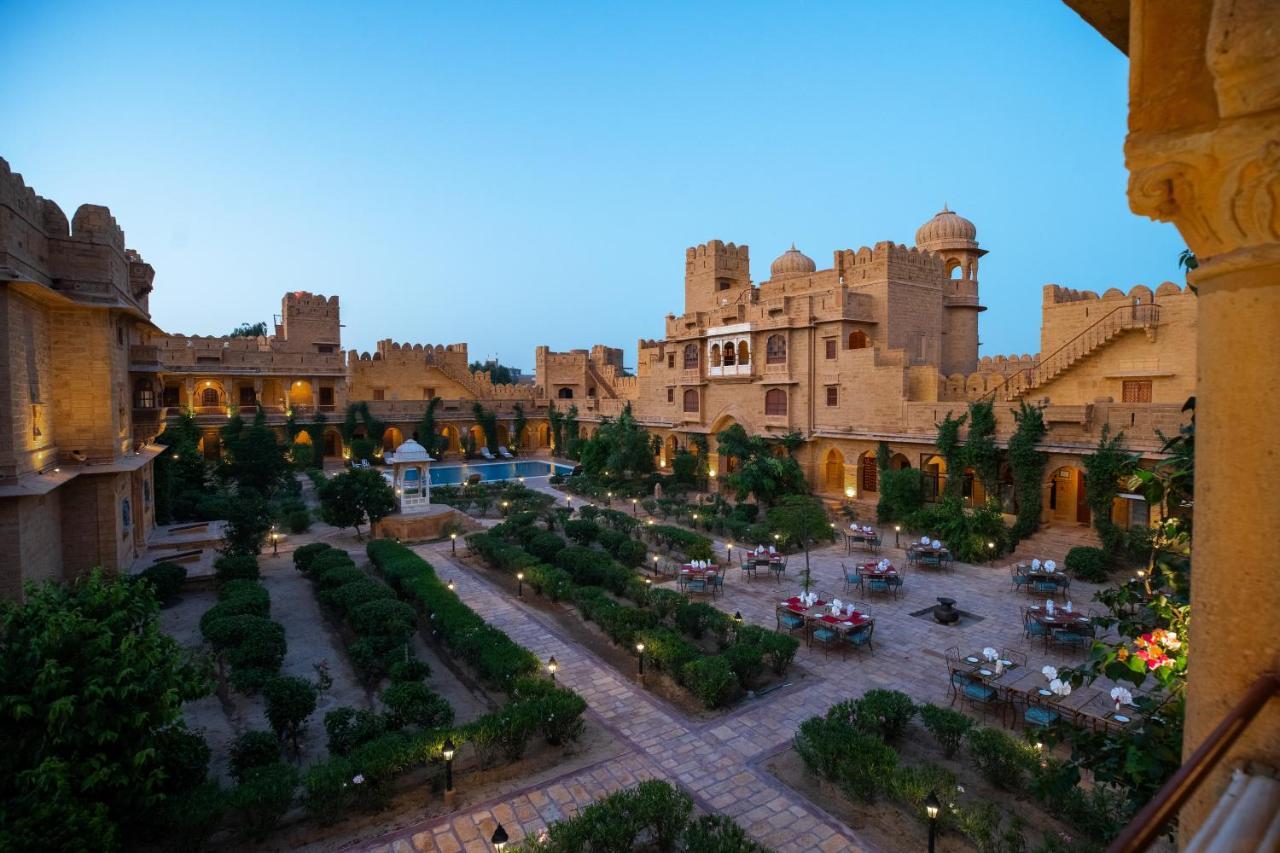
(640, 654)
(897, 531)
(931, 807)
(552, 666)
(728, 552)
(275, 541)
(655, 564)
(450, 585)
(499, 838)
(634, 503)
(520, 584)
(737, 621)
(453, 543)
(447, 750)
(521, 479)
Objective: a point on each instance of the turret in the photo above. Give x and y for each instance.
(955, 240)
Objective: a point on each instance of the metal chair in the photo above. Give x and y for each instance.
(715, 583)
(1018, 578)
(828, 638)
(851, 579)
(791, 621)
(1040, 713)
(1032, 629)
(860, 637)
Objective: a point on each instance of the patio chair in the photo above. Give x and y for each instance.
(1017, 578)
(504, 453)
(913, 556)
(957, 675)
(946, 560)
(1074, 637)
(895, 583)
(484, 451)
(1014, 656)
(695, 585)
(791, 621)
(715, 583)
(860, 637)
(1031, 629)
(778, 569)
(874, 544)
(978, 694)
(871, 583)
(828, 638)
(931, 561)
(851, 578)
(1044, 586)
(1039, 713)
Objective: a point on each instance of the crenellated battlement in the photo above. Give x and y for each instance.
(1057, 295)
(725, 255)
(888, 252)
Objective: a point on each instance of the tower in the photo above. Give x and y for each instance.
(715, 274)
(955, 239)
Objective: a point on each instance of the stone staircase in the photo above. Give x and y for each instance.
(1053, 543)
(1123, 318)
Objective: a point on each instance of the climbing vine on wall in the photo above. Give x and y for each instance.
(488, 423)
(952, 452)
(980, 450)
(1027, 465)
(1105, 468)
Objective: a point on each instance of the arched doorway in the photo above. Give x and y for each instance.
(898, 461)
(1067, 503)
(565, 393)
(392, 438)
(452, 438)
(504, 435)
(544, 435)
(300, 393)
(935, 476)
(868, 472)
(332, 444)
(477, 435)
(833, 472)
(211, 445)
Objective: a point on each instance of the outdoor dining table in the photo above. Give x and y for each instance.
(917, 551)
(772, 562)
(988, 672)
(689, 572)
(859, 537)
(820, 614)
(873, 571)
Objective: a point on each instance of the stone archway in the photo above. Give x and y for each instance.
(833, 472)
(392, 438)
(1065, 502)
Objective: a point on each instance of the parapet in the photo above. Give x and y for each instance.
(1057, 295)
(720, 250)
(95, 222)
(886, 251)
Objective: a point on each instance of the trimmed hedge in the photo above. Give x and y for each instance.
(1088, 564)
(167, 578)
(496, 658)
(238, 630)
(692, 545)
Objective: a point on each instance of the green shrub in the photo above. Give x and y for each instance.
(243, 567)
(747, 662)
(327, 792)
(167, 578)
(189, 819)
(710, 678)
(262, 798)
(332, 577)
(253, 749)
(255, 604)
(261, 644)
(185, 758)
(385, 617)
(611, 541)
(412, 703)
(304, 555)
(911, 786)
(555, 584)
(346, 598)
(350, 728)
(885, 713)
(631, 553)
(329, 559)
(298, 521)
(1088, 564)
(560, 716)
(581, 531)
(695, 618)
(245, 589)
(411, 669)
(947, 726)
(718, 834)
(289, 701)
(837, 750)
(545, 546)
(985, 825)
(1002, 761)
(664, 602)
(667, 650)
(663, 808)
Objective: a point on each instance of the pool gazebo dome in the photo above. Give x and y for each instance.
(409, 465)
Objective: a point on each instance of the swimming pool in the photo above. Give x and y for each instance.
(452, 475)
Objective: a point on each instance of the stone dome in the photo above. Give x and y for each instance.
(792, 262)
(411, 451)
(946, 225)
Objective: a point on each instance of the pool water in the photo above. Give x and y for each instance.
(452, 475)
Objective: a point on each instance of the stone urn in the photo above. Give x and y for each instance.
(945, 613)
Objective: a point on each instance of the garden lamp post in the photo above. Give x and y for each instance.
(552, 666)
(450, 585)
(275, 541)
(931, 807)
(640, 657)
(655, 564)
(634, 504)
(897, 531)
(728, 552)
(991, 551)
(453, 543)
(519, 584)
(499, 838)
(521, 479)
(737, 622)
(447, 750)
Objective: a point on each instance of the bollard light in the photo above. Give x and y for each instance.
(552, 666)
(450, 585)
(499, 838)
(931, 807)
(447, 750)
(640, 657)
(520, 584)
(897, 531)
(453, 543)
(634, 504)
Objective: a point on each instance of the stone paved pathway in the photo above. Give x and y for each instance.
(720, 762)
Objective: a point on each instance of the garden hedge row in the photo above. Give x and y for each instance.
(238, 627)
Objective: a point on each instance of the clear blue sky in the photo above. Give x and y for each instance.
(515, 174)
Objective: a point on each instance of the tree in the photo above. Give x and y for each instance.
(290, 700)
(354, 497)
(91, 694)
(620, 446)
(181, 471)
(249, 330)
(499, 374)
(253, 458)
(571, 432)
(556, 419)
(518, 423)
(761, 471)
(248, 523)
(802, 520)
(1027, 465)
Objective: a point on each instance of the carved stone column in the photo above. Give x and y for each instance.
(1204, 153)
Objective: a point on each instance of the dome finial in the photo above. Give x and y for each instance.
(944, 208)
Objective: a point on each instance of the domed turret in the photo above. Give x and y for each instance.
(946, 228)
(792, 262)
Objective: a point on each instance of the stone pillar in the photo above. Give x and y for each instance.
(1204, 153)
(189, 388)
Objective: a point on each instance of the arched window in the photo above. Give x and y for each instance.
(858, 340)
(744, 353)
(775, 350)
(690, 356)
(775, 402)
(565, 394)
(126, 514)
(691, 400)
(591, 392)
(715, 355)
(209, 397)
(730, 355)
